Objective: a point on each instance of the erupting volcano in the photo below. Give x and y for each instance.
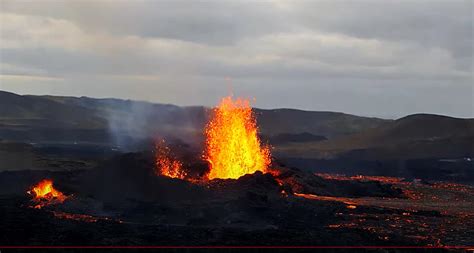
(233, 148)
(204, 177)
(45, 194)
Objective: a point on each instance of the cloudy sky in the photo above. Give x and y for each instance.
(377, 58)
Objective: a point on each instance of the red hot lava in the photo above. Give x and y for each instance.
(166, 164)
(45, 194)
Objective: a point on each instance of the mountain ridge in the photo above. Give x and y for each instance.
(292, 132)
(105, 111)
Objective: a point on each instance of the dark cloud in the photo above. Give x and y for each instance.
(439, 23)
(351, 56)
(209, 22)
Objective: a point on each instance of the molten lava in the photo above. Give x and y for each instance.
(45, 194)
(166, 164)
(233, 148)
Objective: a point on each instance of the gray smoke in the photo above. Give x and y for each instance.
(133, 124)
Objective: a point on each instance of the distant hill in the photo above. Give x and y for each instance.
(416, 136)
(41, 111)
(293, 138)
(83, 119)
(294, 133)
(327, 124)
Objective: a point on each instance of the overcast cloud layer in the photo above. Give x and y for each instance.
(379, 58)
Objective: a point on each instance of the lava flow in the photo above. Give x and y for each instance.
(45, 194)
(233, 148)
(166, 164)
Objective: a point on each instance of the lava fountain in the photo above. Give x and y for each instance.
(166, 164)
(44, 194)
(233, 148)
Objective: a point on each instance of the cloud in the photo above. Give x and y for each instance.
(267, 48)
(33, 78)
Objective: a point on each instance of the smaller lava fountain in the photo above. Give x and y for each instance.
(167, 165)
(44, 194)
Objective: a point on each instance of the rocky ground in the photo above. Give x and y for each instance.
(123, 202)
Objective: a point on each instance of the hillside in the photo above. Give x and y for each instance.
(416, 136)
(293, 133)
(31, 110)
(56, 118)
(327, 124)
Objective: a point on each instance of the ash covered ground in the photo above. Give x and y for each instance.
(121, 201)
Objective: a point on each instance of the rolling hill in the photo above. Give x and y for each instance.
(416, 136)
(294, 133)
(55, 118)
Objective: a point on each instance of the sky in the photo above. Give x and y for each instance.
(368, 57)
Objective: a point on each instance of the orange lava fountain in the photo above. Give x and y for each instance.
(167, 165)
(233, 148)
(45, 194)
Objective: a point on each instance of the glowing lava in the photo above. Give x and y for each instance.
(166, 164)
(233, 148)
(45, 194)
